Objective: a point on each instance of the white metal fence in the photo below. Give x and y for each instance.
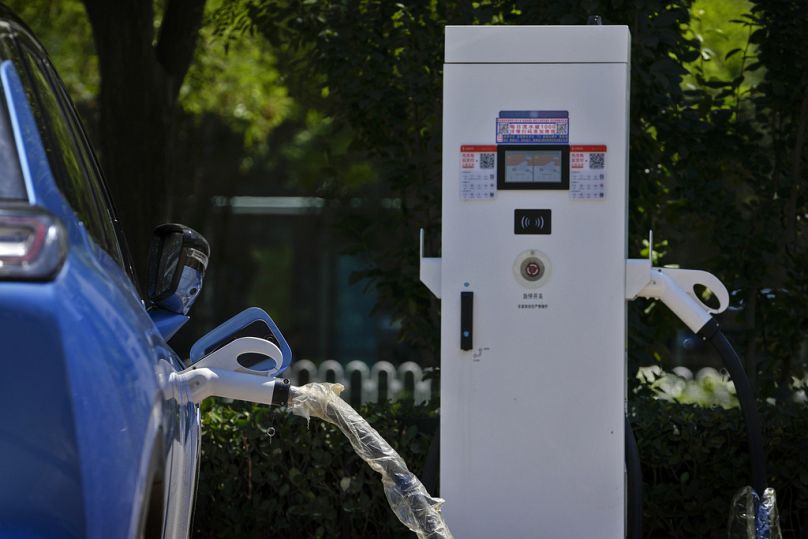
(366, 383)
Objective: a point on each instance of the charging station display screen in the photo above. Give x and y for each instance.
(533, 167)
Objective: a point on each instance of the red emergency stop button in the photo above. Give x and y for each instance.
(532, 269)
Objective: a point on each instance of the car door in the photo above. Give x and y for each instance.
(138, 434)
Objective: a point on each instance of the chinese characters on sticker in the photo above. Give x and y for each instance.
(478, 172)
(588, 172)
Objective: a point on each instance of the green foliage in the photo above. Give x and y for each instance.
(725, 47)
(694, 459)
(64, 30)
(710, 388)
(239, 81)
(305, 481)
(737, 180)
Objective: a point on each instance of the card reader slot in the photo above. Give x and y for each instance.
(466, 320)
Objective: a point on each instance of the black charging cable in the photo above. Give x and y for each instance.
(754, 429)
(743, 389)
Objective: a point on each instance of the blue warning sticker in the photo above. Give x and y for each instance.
(533, 127)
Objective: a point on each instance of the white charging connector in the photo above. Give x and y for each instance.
(220, 374)
(675, 288)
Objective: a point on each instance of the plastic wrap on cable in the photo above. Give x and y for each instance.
(408, 498)
(754, 518)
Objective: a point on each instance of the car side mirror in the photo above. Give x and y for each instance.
(178, 257)
(226, 339)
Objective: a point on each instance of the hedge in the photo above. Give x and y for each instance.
(306, 482)
(694, 459)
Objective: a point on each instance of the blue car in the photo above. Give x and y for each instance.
(95, 440)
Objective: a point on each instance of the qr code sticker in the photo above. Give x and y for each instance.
(596, 160)
(487, 160)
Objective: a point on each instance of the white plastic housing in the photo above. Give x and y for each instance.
(221, 375)
(204, 383)
(676, 289)
(532, 439)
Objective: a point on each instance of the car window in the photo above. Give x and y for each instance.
(69, 160)
(11, 182)
(107, 214)
(96, 177)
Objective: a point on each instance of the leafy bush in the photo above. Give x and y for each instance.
(708, 387)
(307, 482)
(694, 459)
(303, 482)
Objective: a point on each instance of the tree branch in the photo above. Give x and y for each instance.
(177, 40)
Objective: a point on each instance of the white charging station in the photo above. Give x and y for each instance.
(532, 280)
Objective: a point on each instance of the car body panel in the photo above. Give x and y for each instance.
(42, 482)
(90, 416)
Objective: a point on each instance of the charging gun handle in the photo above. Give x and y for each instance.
(206, 382)
(674, 288)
